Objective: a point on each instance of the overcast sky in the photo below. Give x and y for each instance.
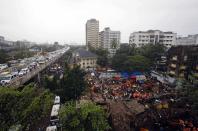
(64, 20)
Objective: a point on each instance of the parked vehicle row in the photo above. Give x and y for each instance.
(21, 67)
(54, 117)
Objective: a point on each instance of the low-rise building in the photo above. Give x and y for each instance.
(85, 59)
(189, 40)
(183, 62)
(142, 38)
(2, 39)
(35, 49)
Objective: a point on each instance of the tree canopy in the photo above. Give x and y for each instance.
(26, 107)
(73, 83)
(3, 57)
(70, 87)
(129, 58)
(102, 54)
(88, 117)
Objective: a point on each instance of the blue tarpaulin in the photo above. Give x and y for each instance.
(127, 74)
(124, 74)
(135, 73)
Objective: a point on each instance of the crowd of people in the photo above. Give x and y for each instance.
(115, 88)
(159, 100)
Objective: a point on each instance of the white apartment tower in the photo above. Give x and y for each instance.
(92, 33)
(110, 40)
(142, 38)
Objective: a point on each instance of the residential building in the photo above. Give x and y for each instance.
(142, 38)
(5, 44)
(161, 63)
(110, 40)
(2, 39)
(35, 49)
(85, 59)
(183, 62)
(189, 40)
(92, 33)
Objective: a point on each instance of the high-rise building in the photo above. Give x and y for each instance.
(142, 38)
(189, 40)
(92, 33)
(110, 40)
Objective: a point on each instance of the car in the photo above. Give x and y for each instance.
(15, 73)
(24, 71)
(7, 79)
(3, 66)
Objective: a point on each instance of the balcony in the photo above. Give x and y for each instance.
(174, 58)
(182, 67)
(172, 72)
(173, 65)
(181, 75)
(195, 75)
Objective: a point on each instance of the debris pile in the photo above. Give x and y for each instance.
(141, 105)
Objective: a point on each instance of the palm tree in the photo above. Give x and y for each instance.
(114, 43)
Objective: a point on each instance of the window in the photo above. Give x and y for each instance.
(185, 58)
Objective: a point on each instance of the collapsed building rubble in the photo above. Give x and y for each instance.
(148, 105)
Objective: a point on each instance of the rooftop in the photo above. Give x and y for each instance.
(84, 53)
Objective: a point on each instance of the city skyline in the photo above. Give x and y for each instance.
(64, 20)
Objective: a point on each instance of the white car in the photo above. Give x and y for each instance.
(7, 79)
(3, 66)
(24, 71)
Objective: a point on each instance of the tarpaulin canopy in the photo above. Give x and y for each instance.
(133, 78)
(117, 77)
(135, 73)
(124, 74)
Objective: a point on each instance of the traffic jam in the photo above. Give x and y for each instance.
(19, 69)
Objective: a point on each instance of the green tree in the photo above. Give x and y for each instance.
(51, 82)
(126, 49)
(102, 54)
(129, 58)
(25, 108)
(136, 63)
(88, 117)
(152, 51)
(114, 44)
(3, 57)
(118, 60)
(73, 83)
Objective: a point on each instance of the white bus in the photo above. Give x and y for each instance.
(57, 100)
(54, 118)
(51, 128)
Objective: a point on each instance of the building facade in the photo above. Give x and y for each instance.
(2, 39)
(189, 40)
(92, 33)
(183, 62)
(85, 59)
(110, 40)
(142, 38)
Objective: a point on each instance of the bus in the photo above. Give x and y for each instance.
(54, 118)
(57, 100)
(51, 128)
